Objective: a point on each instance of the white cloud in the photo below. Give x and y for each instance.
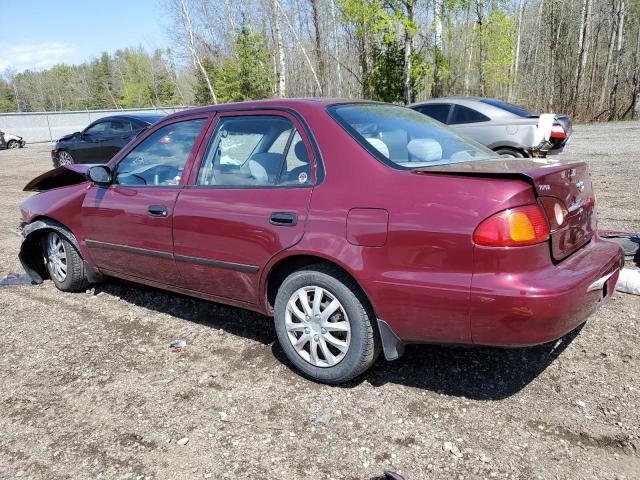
(34, 56)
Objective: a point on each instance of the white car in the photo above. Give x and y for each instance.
(7, 140)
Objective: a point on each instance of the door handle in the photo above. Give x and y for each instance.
(157, 210)
(283, 219)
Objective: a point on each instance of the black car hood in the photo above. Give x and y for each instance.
(66, 137)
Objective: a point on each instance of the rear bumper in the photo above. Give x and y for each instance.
(533, 307)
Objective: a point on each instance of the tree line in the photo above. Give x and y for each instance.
(580, 57)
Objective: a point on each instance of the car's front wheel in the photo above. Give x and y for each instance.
(13, 144)
(64, 158)
(325, 324)
(64, 263)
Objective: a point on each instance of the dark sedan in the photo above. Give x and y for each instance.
(101, 140)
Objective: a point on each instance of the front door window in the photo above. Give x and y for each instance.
(160, 159)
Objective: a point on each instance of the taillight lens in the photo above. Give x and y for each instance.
(513, 227)
(557, 131)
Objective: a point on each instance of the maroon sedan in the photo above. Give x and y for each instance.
(360, 227)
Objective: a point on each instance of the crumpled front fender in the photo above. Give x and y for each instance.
(31, 254)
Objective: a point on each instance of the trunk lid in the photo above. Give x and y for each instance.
(569, 183)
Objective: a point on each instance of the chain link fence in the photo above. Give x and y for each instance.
(40, 127)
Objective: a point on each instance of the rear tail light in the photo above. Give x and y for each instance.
(557, 131)
(513, 227)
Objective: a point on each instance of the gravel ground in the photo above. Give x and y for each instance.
(91, 390)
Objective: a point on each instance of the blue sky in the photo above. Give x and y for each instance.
(43, 33)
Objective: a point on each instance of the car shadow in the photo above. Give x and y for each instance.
(236, 321)
(477, 373)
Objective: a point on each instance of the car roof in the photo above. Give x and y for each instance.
(142, 117)
(287, 103)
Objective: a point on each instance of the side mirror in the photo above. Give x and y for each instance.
(77, 135)
(100, 175)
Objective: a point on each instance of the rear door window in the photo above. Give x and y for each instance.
(121, 127)
(437, 111)
(462, 114)
(256, 150)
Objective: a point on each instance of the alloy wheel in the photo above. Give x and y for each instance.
(317, 326)
(65, 158)
(57, 256)
(13, 144)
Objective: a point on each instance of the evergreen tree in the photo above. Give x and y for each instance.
(247, 75)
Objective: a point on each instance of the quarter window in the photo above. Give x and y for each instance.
(462, 114)
(296, 169)
(255, 150)
(121, 127)
(160, 159)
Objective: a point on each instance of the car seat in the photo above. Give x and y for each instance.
(264, 167)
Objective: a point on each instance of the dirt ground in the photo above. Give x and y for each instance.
(91, 390)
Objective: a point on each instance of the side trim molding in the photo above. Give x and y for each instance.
(127, 248)
(240, 267)
(392, 345)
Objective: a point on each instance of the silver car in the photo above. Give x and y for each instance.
(8, 140)
(507, 129)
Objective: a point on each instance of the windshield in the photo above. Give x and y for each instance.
(404, 138)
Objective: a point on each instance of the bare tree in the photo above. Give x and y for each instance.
(282, 65)
(611, 44)
(516, 57)
(318, 46)
(613, 97)
(187, 25)
(582, 50)
(304, 51)
(408, 51)
(635, 106)
(336, 46)
(437, 87)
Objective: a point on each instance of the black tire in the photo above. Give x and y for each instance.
(364, 346)
(509, 152)
(13, 144)
(57, 163)
(74, 279)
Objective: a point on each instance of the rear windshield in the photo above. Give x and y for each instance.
(521, 112)
(404, 138)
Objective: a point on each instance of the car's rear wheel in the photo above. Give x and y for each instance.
(509, 152)
(13, 144)
(64, 158)
(325, 325)
(64, 263)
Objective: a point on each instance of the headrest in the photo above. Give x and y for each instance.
(258, 171)
(425, 150)
(379, 145)
(301, 151)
